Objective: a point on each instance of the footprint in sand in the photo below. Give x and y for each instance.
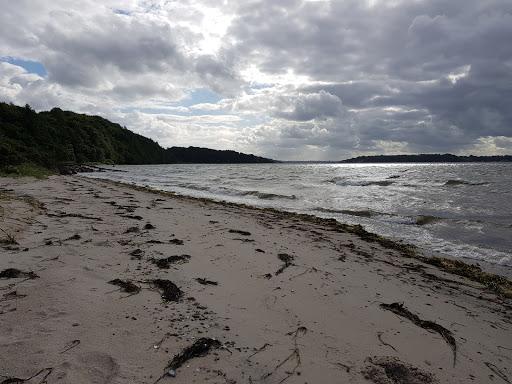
(91, 367)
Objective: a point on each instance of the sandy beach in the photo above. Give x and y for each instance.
(104, 283)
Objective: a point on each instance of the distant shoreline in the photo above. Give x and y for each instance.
(429, 158)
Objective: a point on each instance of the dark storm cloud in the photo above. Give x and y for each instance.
(448, 62)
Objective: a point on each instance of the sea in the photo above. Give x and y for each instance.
(462, 210)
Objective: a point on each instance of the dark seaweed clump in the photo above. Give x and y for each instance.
(243, 233)
(13, 273)
(204, 281)
(166, 263)
(168, 290)
(136, 254)
(125, 285)
(287, 260)
(200, 348)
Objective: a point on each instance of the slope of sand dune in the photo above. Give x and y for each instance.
(271, 298)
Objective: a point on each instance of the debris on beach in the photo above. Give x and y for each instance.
(75, 215)
(400, 310)
(74, 237)
(497, 371)
(243, 233)
(287, 260)
(134, 217)
(389, 370)
(149, 226)
(204, 281)
(45, 372)
(126, 286)
(244, 240)
(200, 348)
(154, 242)
(168, 290)
(9, 240)
(132, 230)
(136, 254)
(13, 295)
(70, 345)
(13, 273)
(295, 356)
(176, 241)
(166, 262)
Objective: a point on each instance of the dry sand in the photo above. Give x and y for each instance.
(318, 321)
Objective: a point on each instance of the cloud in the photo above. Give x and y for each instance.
(291, 79)
(306, 107)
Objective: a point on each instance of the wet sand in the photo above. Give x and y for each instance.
(104, 283)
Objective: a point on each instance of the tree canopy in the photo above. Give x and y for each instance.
(56, 137)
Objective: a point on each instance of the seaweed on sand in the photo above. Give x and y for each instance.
(13, 273)
(168, 290)
(132, 230)
(237, 231)
(293, 356)
(498, 284)
(9, 240)
(76, 215)
(400, 310)
(126, 286)
(390, 370)
(204, 281)
(45, 372)
(175, 259)
(136, 254)
(200, 348)
(76, 236)
(287, 260)
(495, 283)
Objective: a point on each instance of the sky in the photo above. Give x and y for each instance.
(287, 79)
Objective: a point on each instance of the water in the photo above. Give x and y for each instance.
(465, 209)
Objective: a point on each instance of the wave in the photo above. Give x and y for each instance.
(454, 182)
(266, 195)
(426, 219)
(191, 186)
(359, 213)
(236, 192)
(352, 183)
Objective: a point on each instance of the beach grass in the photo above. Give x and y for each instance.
(25, 170)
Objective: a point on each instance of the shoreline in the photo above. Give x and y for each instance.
(458, 236)
(275, 296)
(466, 267)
